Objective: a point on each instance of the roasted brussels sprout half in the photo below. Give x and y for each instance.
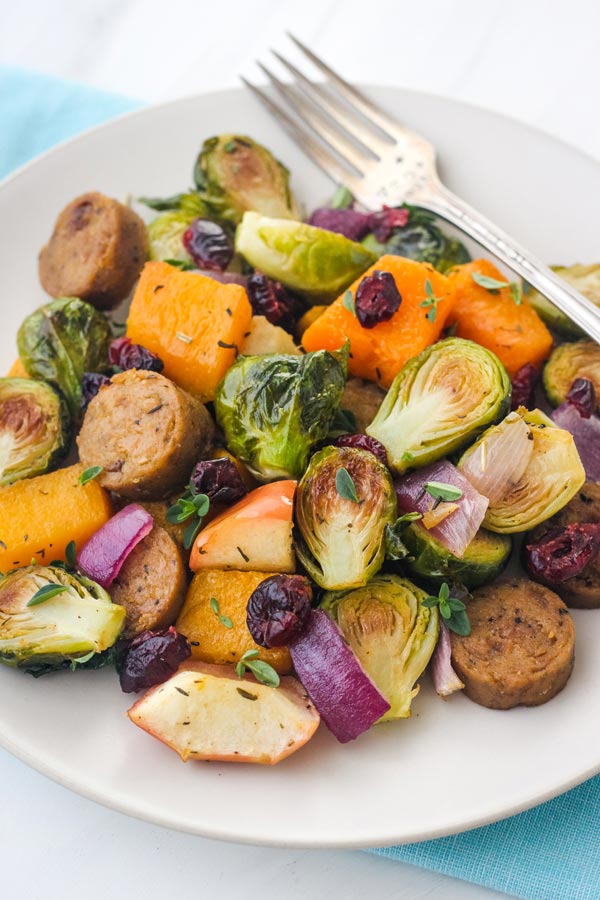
(275, 408)
(586, 280)
(392, 634)
(60, 341)
(551, 478)
(34, 428)
(317, 263)
(165, 235)
(439, 401)
(49, 617)
(482, 561)
(422, 240)
(343, 504)
(235, 174)
(568, 362)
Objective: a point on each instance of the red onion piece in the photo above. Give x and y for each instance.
(445, 679)
(499, 461)
(586, 434)
(459, 528)
(335, 681)
(102, 557)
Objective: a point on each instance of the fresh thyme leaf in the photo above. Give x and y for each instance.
(46, 592)
(191, 532)
(490, 284)
(71, 554)
(81, 660)
(186, 508)
(452, 610)
(516, 293)
(406, 457)
(348, 302)
(441, 491)
(224, 620)
(431, 301)
(89, 474)
(263, 672)
(342, 198)
(345, 486)
(229, 147)
(182, 264)
(249, 654)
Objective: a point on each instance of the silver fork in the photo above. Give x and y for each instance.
(360, 145)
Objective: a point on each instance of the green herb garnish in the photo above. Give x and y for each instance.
(345, 486)
(262, 671)
(229, 147)
(342, 198)
(182, 264)
(89, 474)
(348, 302)
(46, 593)
(441, 491)
(493, 286)
(189, 506)
(224, 620)
(452, 610)
(431, 301)
(406, 457)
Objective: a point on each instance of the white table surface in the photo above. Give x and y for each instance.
(536, 60)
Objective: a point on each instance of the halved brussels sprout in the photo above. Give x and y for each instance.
(165, 235)
(235, 174)
(49, 617)
(343, 504)
(60, 341)
(275, 408)
(553, 476)
(317, 263)
(483, 560)
(392, 634)
(439, 401)
(422, 240)
(586, 280)
(568, 362)
(34, 428)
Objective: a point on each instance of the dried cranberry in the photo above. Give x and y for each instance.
(208, 244)
(382, 223)
(219, 479)
(150, 658)
(364, 442)
(278, 608)
(349, 222)
(563, 552)
(90, 385)
(127, 355)
(271, 300)
(582, 395)
(377, 299)
(523, 386)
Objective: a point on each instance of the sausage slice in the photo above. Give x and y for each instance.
(151, 584)
(146, 433)
(521, 648)
(96, 251)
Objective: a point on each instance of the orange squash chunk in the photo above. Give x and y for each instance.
(40, 516)
(194, 323)
(379, 353)
(514, 332)
(17, 370)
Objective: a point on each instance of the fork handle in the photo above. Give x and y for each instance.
(578, 308)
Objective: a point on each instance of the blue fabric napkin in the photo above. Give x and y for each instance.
(551, 852)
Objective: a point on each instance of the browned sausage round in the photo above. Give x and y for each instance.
(146, 433)
(151, 584)
(582, 591)
(96, 251)
(521, 648)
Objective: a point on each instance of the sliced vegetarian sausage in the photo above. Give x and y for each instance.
(146, 433)
(583, 590)
(151, 584)
(520, 651)
(96, 251)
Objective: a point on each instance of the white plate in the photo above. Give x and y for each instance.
(453, 765)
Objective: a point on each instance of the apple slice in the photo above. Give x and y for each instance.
(207, 712)
(254, 535)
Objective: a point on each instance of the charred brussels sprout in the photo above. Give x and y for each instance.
(482, 561)
(439, 401)
(391, 632)
(49, 617)
(275, 408)
(421, 239)
(235, 174)
(568, 362)
(34, 428)
(317, 263)
(586, 280)
(60, 341)
(343, 504)
(552, 476)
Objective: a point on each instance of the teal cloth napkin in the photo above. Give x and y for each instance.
(551, 852)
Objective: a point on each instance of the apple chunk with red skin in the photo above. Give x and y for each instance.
(255, 534)
(206, 712)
